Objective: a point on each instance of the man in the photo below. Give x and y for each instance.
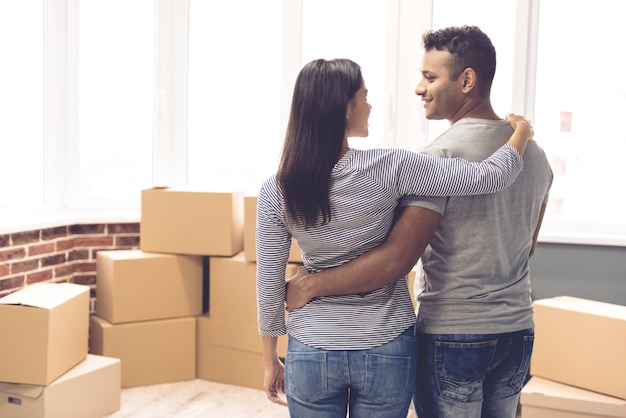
(475, 314)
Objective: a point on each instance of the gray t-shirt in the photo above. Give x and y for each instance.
(475, 273)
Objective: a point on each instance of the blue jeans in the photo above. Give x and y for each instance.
(378, 382)
(471, 376)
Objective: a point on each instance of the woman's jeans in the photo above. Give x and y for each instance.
(378, 382)
(477, 376)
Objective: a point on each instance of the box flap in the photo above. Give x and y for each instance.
(23, 391)
(549, 394)
(44, 295)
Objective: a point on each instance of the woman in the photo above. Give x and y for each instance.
(355, 352)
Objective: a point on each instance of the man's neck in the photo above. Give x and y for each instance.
(480, 109)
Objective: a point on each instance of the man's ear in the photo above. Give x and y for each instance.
(469, 79)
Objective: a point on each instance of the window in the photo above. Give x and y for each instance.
(21, 104)
(102, 99)
(357, 30)
(579, 105)
(115, 102)
(234, 92)
(237, 78)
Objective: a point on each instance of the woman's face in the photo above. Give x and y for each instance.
(358, 113)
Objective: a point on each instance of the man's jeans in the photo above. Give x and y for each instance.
(471, 376)
(375, 383)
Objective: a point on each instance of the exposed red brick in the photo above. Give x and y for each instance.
(12, 254)
(53, 233)
(12, 283)
(5, 269)
(84, 267)
(87, 229)
(105, 241)
(53, 260)
(69, 253)
(40, 276)
(39, 249)
(130, 228)
(127, 241)
(64, 270)
(65, 244)
(24, 266)
(78, 255)
(86, 279)
(29, 237)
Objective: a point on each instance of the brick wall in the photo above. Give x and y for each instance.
(60, 254)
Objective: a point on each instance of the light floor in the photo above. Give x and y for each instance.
(197, 398)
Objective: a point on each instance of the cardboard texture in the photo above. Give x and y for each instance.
(91, 389)
(232, 288)
(231, 353)
(44, 332)
(581, 343)
(181, 220)
(249, 232)
(233, 335)
(137, 286)
(151, 352)
(542, 398)
(232, 367)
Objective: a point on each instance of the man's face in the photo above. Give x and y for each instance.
(442, 97)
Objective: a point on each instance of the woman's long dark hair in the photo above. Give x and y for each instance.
(314, 138)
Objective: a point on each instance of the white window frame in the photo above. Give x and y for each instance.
(404, 123)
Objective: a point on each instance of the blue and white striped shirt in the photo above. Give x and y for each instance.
(365, 187)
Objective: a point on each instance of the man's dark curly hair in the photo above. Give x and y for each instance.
(470, 47)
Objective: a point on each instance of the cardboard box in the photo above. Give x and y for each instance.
(581, 343)
(151, 352)
(233, 335)
(231, 353)
(542, 398)
(133, 285)
(91, 389)
(43, 332)
(249, 232)
(180, 220)
(232, 288)
(232, 367)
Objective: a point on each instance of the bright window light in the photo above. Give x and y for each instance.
(21, 103)
(116, 91)
(234, 136)
(579, 108)
(357, 30)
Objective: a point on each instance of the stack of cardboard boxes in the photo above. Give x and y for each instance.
(229, 346)
(45, 369)
(184, 305)
(578, 366)
(145, 314)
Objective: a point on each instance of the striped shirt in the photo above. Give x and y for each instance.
(365, 188)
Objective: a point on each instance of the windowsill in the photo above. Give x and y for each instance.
(578, 238)
(30, 223)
